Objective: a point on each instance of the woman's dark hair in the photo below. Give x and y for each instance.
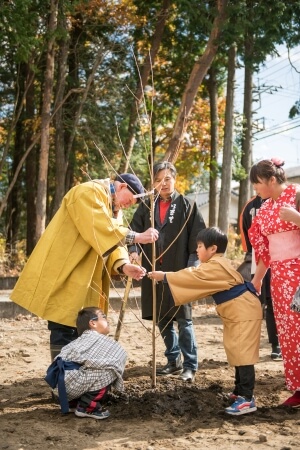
(163, 166)
(266, 169)
(213, 236)
(84, 317)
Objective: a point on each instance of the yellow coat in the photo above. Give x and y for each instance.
(241, 316)
(71, 264)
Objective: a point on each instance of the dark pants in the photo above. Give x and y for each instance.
(92, 400)
(267, 304)
(60, 335)
(244, 381)
(270, 321)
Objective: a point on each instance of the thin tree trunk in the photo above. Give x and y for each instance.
(144, 76)
(225, 194)
(15, 199)
(246, 159)
(198, 73)
(60, 151)
(213, 174)
(45, 123)
(31, 169)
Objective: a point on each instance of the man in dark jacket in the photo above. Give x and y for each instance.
(178, 221)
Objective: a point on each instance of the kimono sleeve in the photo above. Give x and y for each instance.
(259, 242)
(89, 210)
(194, 283)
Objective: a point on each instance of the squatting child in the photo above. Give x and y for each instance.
(87, 368)
(236, 303)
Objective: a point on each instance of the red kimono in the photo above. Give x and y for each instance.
(277, 243)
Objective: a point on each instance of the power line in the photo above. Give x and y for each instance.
(278, 132)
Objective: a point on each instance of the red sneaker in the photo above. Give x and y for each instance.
(293, 401)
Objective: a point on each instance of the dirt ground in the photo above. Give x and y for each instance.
(172, 415)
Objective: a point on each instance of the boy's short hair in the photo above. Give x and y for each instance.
(213, 236)
(84, 317)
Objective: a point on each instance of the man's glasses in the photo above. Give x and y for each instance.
(101, 316)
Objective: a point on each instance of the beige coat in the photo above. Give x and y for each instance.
(71, 264)
(241, 316)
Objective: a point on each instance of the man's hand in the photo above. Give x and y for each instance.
(147, 237)
(134, 271)
(156, 275)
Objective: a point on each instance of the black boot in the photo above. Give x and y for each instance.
(172, 368)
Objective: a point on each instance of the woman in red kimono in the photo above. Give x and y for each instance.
(275, 237)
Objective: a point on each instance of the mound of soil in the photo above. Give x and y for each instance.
(170, 415)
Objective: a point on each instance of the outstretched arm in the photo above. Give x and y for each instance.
(259, 275)
(156, 275)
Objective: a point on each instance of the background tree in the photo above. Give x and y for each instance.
(198, 73)
(90, 95)
(225, 194)
(143, 75)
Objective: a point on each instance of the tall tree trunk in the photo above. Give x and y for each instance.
(213, 174)
(31, 167)
(45, 123)
(198, 73)
(59, 125)
(225, 194)
(144, 76)
(15, 199)
(246, 159)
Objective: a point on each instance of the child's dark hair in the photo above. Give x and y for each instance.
(213, 236)
(266, 169)
(84, 317)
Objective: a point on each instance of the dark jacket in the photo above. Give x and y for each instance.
(175, 246)
(249, 211)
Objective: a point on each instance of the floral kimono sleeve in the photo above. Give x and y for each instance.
(259, 242)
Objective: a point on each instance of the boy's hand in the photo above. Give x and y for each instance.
(156, 275)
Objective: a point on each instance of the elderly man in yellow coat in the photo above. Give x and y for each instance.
(83, 245)
(237, 305)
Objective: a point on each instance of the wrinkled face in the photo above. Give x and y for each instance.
(123, 196)
(99, 323)
(263, 188)
(164, 183)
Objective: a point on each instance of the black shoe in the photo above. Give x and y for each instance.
(188, 375)
(276, 353)
(172, 368)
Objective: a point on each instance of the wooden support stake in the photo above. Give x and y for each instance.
(154, 299)
(123, 307)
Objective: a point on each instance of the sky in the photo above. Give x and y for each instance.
(277, 88)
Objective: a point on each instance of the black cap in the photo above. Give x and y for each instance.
(133, 183)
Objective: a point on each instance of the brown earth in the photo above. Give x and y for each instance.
(172, 415)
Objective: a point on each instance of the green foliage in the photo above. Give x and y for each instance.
(122, 30)
(295, 110)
